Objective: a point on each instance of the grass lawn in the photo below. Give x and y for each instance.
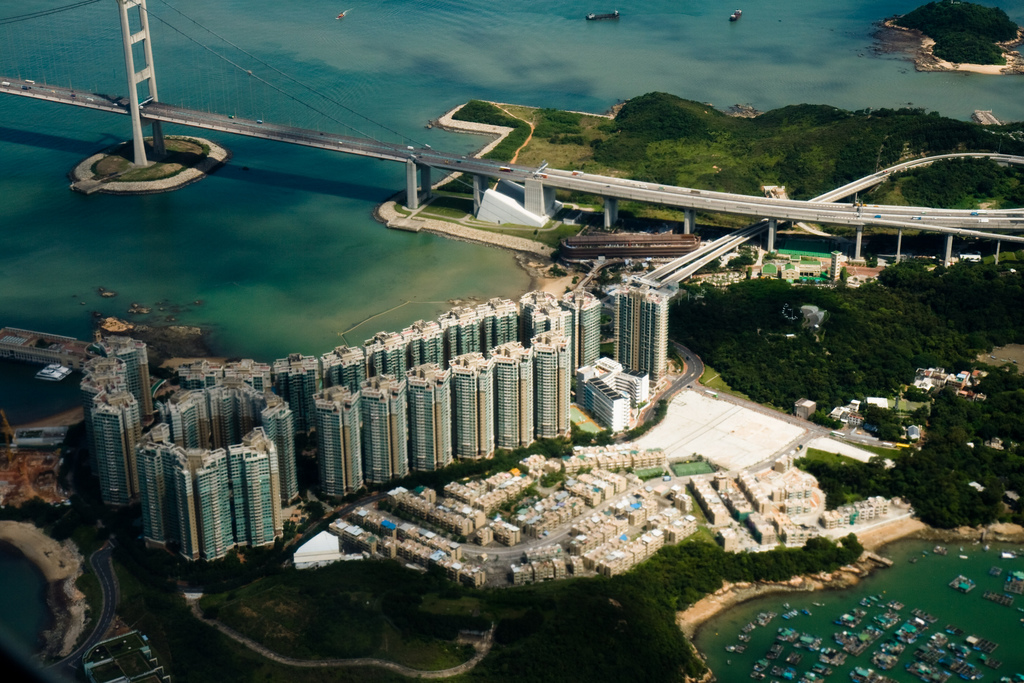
(687, 469)
(712, 380)
(884, 452)
(818, 455)
(181, 154)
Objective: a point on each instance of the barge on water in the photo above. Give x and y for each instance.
(599, 17)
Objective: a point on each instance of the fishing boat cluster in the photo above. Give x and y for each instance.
(878, 626)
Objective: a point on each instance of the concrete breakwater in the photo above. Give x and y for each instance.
(387, 214)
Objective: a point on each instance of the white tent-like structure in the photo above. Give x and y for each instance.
(319, 551)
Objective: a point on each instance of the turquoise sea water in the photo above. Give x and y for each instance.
(284, 256)
(923, 585)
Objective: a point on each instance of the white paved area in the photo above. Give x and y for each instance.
(726, 434)
(841, 448)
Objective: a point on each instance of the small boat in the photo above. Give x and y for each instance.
(54, 372)
(343, 14)
(599, 17)
(736, 15)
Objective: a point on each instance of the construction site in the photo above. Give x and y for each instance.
(30, 471)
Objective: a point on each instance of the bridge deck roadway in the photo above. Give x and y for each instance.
(959, 222)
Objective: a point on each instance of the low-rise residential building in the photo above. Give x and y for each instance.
(549, 513)
(804, 408)
(506, 534)
(709, 502)
(450, 515)
(859, 512)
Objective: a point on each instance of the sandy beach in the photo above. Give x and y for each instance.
(61, 565)
(919, 48)
(873, 540)
(730, 595)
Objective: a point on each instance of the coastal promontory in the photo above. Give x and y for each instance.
(963, 36)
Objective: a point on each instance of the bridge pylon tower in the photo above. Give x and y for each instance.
(146, 75)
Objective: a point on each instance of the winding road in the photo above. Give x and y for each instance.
(482, 648)
(102, 567)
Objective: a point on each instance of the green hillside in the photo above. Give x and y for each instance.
(963, 32)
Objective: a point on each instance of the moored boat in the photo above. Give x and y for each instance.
(54, 372)
(736, 15)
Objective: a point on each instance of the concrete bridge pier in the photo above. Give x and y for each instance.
(159, 150)
(773, 226)
(412, 195)
(948, 256)
(425, 182)
(860, 238)
(539, 199)
(611, 211)
(999, 243)
(689, 220)
(479, 187)
(899, 243)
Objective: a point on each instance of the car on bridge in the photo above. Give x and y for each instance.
(878, 215)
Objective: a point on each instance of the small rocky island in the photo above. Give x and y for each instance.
(957, 36)
(187, 160)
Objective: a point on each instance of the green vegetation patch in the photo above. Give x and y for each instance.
(954, 184)
(809, 148)
(649, 472)
(349, 609)
(964, 33)
(875, 338)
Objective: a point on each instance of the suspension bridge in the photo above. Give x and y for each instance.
(145, 110)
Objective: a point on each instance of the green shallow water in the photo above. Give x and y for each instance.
(923, 585)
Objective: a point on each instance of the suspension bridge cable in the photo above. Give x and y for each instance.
(289, 77)
(45, 12)
(262, 80)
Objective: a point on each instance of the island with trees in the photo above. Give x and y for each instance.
(963, 36)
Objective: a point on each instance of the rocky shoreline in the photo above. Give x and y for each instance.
(695, 617)
(893, 39)
(61, 565)
(163, 342)
(83, 180)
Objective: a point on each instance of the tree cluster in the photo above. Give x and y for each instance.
(964, 33)
(871, 342)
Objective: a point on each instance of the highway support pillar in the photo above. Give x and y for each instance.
(412, 195)
(998, 244)
(947, 258)
(773, 226)
(425, 181)
(899, 243)
(145, 75)
(857, 244)
(689, 221)
(611, 211)
(539, 200)
(479, 187)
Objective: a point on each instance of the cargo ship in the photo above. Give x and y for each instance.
(598, 17)
(736, 15)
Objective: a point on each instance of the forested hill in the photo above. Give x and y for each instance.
(808, 148)
(873, 338)
(963, 32)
